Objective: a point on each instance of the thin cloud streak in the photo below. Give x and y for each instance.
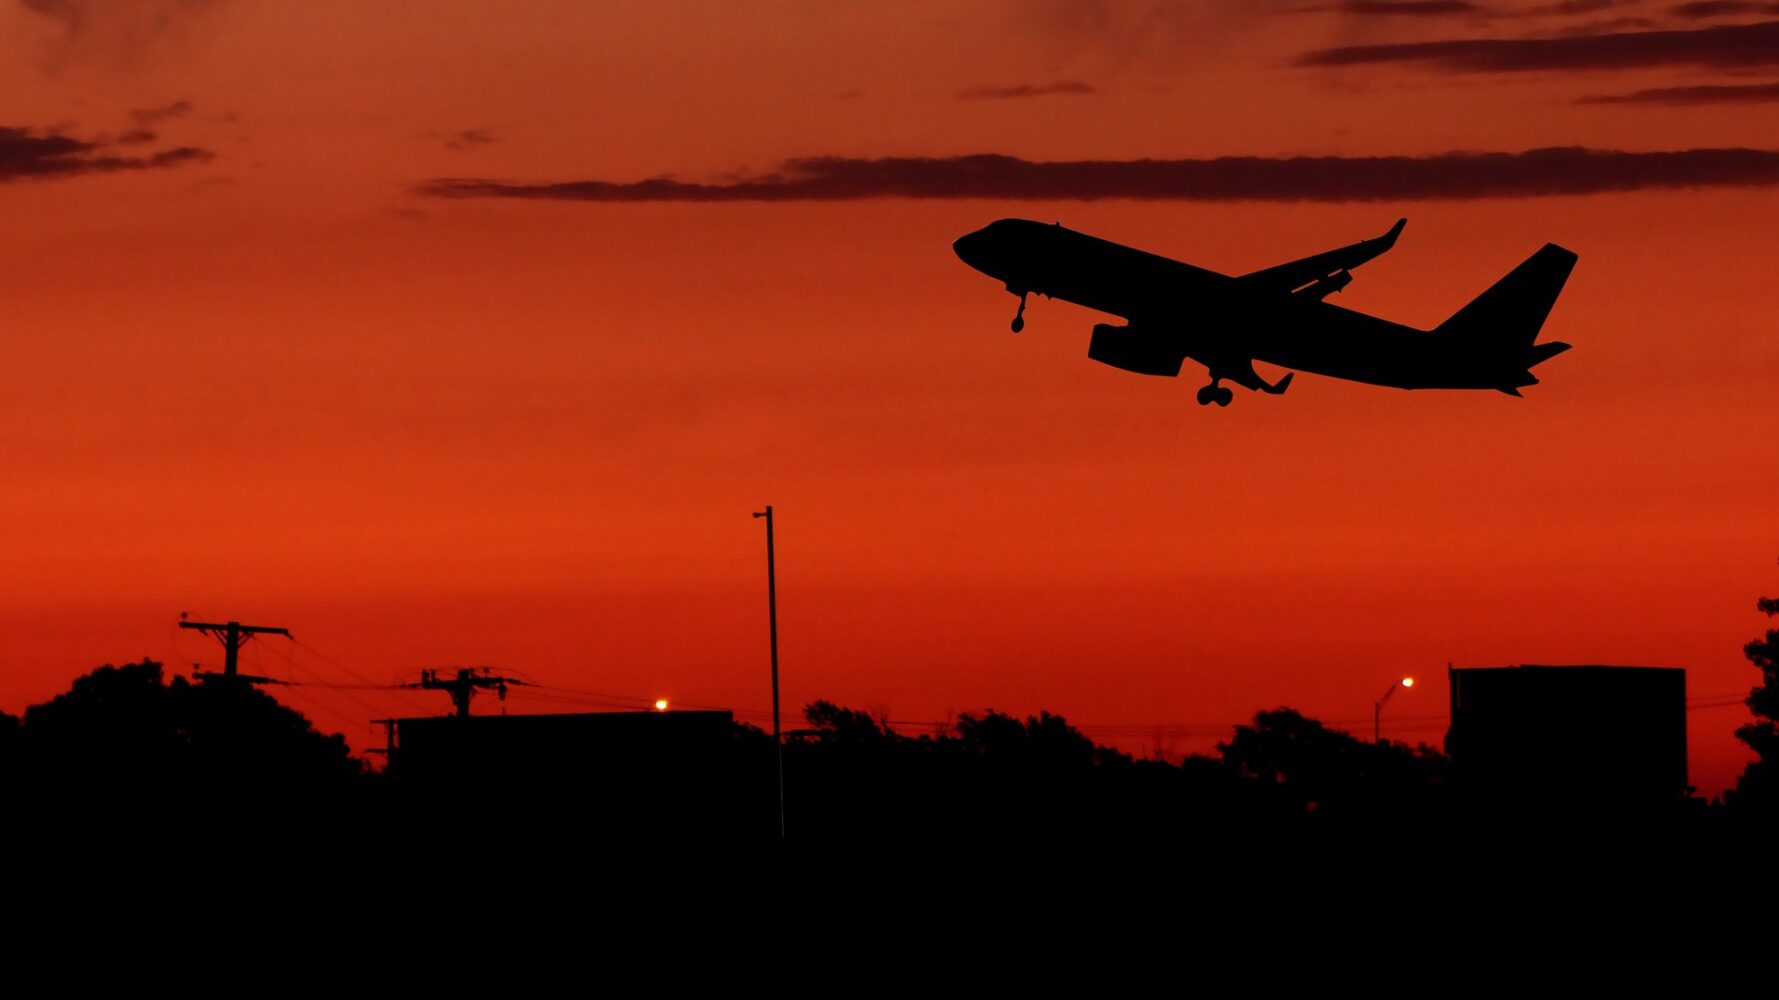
(470, 138)
(1571, 8)
(1700, 9)
(1449, 176)
(1409, 8)
(1025, 90)
(1719, 46)
(147, 117)
(1751, 93)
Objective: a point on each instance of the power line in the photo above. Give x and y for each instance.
(554, 694)
(337, 665)
(355, 675)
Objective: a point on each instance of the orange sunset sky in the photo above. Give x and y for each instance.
(356, 318)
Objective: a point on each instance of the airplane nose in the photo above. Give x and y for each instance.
(968, 248)
(960, 246)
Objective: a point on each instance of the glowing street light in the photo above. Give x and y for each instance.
(1377, 710)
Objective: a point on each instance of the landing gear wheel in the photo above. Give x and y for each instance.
(1019, 317)
(1224, 396)
(1206, 394)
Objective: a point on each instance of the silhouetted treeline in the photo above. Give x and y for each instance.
(127, 742)
(1000, 775)
(1757, 793)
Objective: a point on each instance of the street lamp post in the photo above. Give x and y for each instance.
(1377, 710)
(772, 618)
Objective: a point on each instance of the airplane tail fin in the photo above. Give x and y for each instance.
(1504, 321)
(1513, 310)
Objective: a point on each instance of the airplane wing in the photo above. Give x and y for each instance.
(1318, 275)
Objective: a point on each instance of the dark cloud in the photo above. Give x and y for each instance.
(1409, 8)
(145, 117)
(119, 31)
(25, 154)
(1465, 9)
(1751, 93)
(1723, 8)
(1720, 46)
(470, 138)
(1610, 24)
(1570, 8)
(1025, 90)
(1537, 172)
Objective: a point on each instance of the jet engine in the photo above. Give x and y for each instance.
(1142, 353)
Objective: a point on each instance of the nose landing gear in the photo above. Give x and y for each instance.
(1214, 393)
(1019, 317)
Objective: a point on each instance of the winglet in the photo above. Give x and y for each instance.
(1389, 239)
(1293, 275)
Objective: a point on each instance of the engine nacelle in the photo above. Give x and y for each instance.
(1145, 354)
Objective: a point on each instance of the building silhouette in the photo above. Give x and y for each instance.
(612, 773)
(1577, 738)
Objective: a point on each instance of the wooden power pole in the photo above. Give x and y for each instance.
(233, 635)
(462, 685)
(772, 620)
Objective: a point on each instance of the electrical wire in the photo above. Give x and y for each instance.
(527, 689)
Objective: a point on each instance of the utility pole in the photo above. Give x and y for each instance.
(463, 685)
(772, 618)
(388, 748)
(233, 635)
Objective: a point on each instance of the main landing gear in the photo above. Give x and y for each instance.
(1019, 317)
(1214, 393)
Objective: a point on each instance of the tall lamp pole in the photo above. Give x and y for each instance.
(1377, 710)
(772, 617)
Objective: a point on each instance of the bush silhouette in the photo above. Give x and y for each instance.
(124, 738)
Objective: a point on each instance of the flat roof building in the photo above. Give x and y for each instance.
(611, 773)
(1589, 736)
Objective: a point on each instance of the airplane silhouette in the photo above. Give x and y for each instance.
(1175, 311)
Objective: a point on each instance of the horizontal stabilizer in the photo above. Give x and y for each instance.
(1544, 352)
(1532, 357)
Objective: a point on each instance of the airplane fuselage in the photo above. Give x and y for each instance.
(1217, 320)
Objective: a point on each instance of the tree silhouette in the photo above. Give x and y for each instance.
(11, 749)
(847, 727)
(997, 776)
(1758, 788)
(121, 738)
(1299, 766)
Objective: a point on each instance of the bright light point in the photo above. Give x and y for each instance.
(1408, 682)
(660, 704)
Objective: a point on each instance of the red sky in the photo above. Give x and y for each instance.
(271, 378)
